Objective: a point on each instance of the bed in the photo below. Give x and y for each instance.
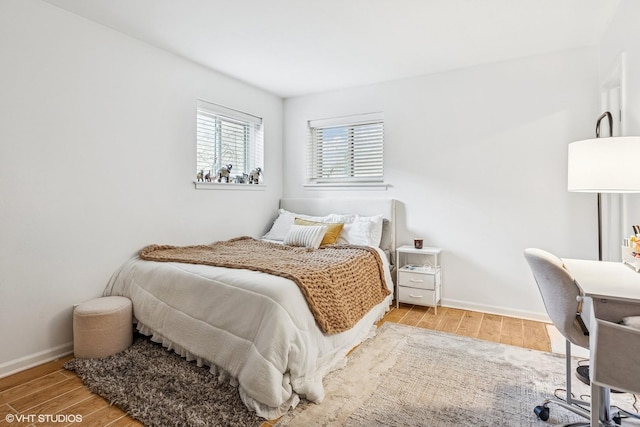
(256, 329)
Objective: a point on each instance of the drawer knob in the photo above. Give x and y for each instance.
(416, 280)
(415, 296)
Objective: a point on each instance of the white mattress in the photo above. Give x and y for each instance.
(251, 328)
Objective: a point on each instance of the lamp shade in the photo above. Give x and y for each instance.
(605, 165)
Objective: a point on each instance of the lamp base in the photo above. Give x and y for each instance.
(582, 372)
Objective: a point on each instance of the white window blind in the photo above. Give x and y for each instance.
(346, 149)
(226, 136)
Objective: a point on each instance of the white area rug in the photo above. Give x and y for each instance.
(408, 376)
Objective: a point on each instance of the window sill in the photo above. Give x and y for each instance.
(228, 186)
(348, 186)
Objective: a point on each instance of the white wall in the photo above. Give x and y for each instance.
(478, 159)
(97, 159)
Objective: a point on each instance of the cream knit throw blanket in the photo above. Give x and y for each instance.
(341, 283)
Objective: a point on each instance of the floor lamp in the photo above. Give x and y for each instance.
(604, 165)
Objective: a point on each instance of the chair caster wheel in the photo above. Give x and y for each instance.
(542, 412)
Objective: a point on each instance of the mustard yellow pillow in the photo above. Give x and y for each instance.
(333, 230)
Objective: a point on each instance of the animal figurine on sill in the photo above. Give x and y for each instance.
(242, 179)
(225, 173)
(207, 177)
(200, 176)
(254, 176)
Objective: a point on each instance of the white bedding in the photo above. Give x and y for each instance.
(250, 327)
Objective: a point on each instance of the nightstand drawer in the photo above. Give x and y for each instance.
(417, 280)
(417, 296)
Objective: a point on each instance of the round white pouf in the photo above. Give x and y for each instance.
(102, 327)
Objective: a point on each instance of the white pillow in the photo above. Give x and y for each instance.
(354, 233)
(375, 223)
(364, 230)
(309, 236)
(336, 218)
(280, 226)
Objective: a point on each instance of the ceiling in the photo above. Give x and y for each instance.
(298, 47)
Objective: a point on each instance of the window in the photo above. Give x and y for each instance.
(227, 137)
(346, 149)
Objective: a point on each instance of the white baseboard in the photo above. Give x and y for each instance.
(14, 366)
(502, 311)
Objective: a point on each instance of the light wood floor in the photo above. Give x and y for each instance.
(49, 389)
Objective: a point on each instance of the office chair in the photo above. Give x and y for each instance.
(614, 348)
(561, 297)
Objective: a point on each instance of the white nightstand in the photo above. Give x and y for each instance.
(419, 279)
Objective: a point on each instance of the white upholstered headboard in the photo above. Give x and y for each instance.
(360, 206)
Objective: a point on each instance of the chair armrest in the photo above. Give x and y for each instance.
(615, 356)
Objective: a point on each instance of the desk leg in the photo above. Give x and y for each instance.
(595, 405)
(600, 407)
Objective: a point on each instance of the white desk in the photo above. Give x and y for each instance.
(605, 280)
(615, 291)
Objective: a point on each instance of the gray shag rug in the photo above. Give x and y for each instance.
(160, 388)
(408, 376)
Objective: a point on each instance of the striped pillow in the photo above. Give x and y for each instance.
(333, 230)
(309, 236)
